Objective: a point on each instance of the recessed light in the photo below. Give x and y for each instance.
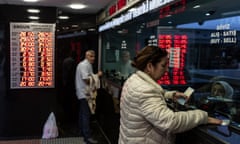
(207, 14)
(65, 28)
(91, 29)
(77, 6)
(210, 13)
(33, 17)
(33, 10)
(75, 26)
(30, 0)
(63, 17)
(196, 6)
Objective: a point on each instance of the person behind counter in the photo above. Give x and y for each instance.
(145, 116)
(221, 89)
(125, 65)
(218, 98)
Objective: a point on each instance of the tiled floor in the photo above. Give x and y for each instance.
(69, 140)
(71, 136)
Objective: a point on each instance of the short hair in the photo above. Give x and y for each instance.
(89, 52)
(152, 54)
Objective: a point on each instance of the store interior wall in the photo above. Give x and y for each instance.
(23, 112)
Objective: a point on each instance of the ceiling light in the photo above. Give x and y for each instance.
(77, 6)
(207, 14)
(196, 6)
(74, 26)
(210, 13)
(33, 17)
(33, 10)
(30, 0)
(119, 31)
(65, 28)
(63, 17)
(91, 29)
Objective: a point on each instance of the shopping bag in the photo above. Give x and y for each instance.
(50, 129)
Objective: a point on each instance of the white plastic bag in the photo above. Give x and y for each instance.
(50, 129)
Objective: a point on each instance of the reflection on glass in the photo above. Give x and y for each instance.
(221, 89)
(125, 64)
(204, 50)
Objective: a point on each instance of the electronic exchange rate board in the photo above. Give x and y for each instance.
(32, 55)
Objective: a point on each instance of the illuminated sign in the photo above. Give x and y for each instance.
(123, 45)
(223, 35)
(145, 7)
(173, 9)
(32, 55)
(120, 4)
(176, 45)
(152, 41)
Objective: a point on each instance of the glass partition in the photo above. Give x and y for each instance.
(202, 39)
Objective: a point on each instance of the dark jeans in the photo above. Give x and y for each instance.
(84, 118)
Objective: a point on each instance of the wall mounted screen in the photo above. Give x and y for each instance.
(32, 55)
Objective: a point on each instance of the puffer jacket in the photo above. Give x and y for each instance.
(145, 117)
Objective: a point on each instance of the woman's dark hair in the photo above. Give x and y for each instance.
(152, 54)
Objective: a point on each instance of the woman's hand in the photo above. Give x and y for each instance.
(178, 95)
(212, 120)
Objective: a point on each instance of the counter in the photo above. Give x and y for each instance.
(203, 134)
(210, 134)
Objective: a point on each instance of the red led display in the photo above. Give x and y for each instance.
(121, 4)
(175, 8)
(27, 57)
(45, 50)
(176, 45)
(32, 55)
(112, 10)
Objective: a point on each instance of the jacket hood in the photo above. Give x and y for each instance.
(228, 89)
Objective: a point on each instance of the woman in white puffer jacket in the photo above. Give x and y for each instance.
(145, 116)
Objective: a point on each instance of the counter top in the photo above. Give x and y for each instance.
(217, 134)
(220, 134)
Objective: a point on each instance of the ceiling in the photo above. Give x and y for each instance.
(218, 8)
(93, 6)
(86, 18)
(81, 19)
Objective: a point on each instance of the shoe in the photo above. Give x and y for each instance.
(92, 141)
